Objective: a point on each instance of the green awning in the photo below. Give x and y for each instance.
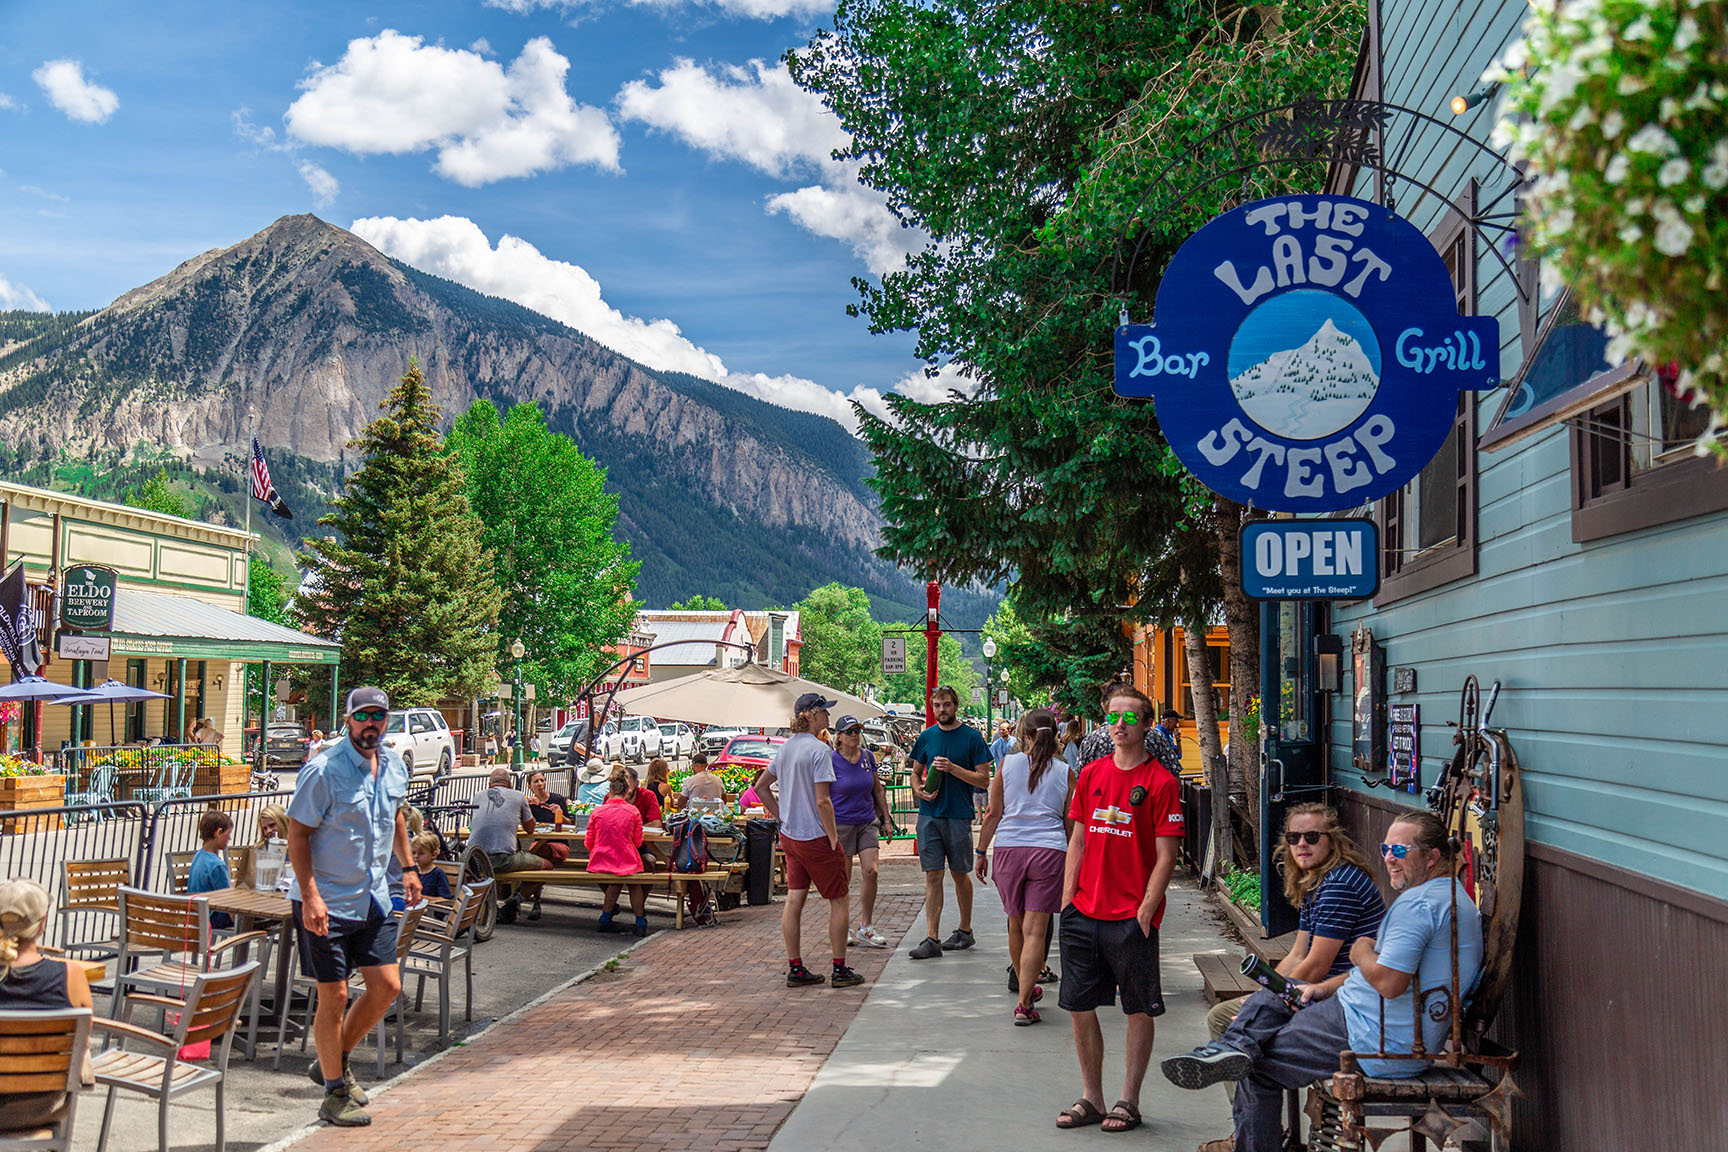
(151, 624)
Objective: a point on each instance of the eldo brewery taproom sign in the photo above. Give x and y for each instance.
(1310, 559)
(1308, 353)
(87, 598)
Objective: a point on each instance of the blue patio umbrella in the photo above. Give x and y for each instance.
(111, 692)
(38, 688)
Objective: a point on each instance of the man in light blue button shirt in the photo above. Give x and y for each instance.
(343, 826)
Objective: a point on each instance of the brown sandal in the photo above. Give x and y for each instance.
(1124, 1115)
(1080, 1114)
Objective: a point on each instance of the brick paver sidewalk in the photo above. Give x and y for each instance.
(693, 1043)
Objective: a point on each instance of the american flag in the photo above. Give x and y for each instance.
(262, 489)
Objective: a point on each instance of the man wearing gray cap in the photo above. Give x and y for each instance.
(343, 826)
(804, 766)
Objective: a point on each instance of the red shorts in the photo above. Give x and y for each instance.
(815, 863)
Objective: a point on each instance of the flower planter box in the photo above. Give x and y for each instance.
(471, 759)
(221, 779)
(21, 793)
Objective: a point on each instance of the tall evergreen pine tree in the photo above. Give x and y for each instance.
(406, 585)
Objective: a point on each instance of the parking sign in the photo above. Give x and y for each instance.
(893, 655)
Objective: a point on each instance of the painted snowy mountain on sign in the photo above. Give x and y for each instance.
(1311, 391)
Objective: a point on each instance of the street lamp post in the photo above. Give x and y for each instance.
(516, 651)
(1004, 675)
(989, 655)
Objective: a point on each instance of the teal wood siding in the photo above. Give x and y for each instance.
(1614, 653)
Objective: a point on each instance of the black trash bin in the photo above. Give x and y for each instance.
(760, 836)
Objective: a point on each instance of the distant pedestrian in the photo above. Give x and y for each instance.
(804, 767)
(949, 760)
(343, 826)
(1071, 734)
(1127, 821)
(1004, 742)
(1164, 740)
(1027, 823)
(500, 813)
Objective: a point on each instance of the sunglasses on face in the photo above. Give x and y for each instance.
(370, 717)
(1295, 838)
(1396, 851)
(1129, 718)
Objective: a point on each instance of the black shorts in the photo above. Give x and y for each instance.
(350, 946)
(1100, 956)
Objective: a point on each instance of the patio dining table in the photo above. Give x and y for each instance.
(251, 906)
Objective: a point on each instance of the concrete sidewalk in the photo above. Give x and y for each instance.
(933, 1058)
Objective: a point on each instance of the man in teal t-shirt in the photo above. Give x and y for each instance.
(949, 759)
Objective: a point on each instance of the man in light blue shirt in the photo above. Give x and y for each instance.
(343, 827)
(1271, 1048)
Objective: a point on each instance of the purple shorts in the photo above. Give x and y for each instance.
(1029, 879)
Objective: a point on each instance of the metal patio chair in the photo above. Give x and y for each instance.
(171, 927)
(169, 779)
(207, 1013)
(440, 945)
(98, 790)
(43, 1052)
(90, 889)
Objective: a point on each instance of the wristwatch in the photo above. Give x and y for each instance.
(980, 851)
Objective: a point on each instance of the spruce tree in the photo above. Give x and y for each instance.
(406, 584)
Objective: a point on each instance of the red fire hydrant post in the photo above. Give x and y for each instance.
(932, 634)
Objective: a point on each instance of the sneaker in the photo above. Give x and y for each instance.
(507, 911)
(851, 937)
(534, 909)
(1024, 1016)
(959, 941)
(639, 930)
(341, 1110)
(355, 1093)
(845, 978)
(606, 925)
(868, 935)
(926, 950)
(1013, 979)
(1208, 1064)
(802, 977)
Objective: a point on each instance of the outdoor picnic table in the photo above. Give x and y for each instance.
(652, 839)
(248, 906)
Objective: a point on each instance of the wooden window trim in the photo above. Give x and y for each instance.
(1694, 486)
(1456, 561)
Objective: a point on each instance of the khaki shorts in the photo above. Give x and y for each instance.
(855, 838)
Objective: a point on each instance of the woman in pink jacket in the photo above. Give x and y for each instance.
(614, 840)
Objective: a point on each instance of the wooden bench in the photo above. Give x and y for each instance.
(582, 878)
(1221, 975)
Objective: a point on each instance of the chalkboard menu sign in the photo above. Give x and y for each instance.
(1368, 711)
(1405, 754)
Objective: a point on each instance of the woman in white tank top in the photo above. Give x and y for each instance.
(1027, 823)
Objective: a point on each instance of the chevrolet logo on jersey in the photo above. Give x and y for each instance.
(1112, 815)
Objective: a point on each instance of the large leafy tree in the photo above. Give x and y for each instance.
(547, 521)
(699, 603)
(157, 495)
(842, 644)
(406, 583)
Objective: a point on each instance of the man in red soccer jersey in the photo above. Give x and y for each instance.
(1127, 819)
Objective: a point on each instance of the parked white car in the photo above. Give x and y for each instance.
(558, 744)
(714, 740)
(676, 739)
(636, 738)
(423, 739)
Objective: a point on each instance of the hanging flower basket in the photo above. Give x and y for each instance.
(1619, 111)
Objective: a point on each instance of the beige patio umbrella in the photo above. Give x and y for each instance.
(750, 696)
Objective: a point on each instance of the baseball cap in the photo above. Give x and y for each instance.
(809, 702)
(847, 723)
(367, 698)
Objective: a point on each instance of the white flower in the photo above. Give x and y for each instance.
(1654, 139)
(1631, 85)
(1585, 115)
(1715, 173)
(1616, 170)
(1559, 222)
(1670, 109)
(1613, 124)
(1687, 34)
(1673, 234)
(1639, 29)
(1516, 56)
(1673, 172)
(1694, 204)
(1700, 98)
(1631, 234)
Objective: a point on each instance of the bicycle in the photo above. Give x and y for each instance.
(473, 866)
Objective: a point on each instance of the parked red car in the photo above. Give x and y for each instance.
(752, 752)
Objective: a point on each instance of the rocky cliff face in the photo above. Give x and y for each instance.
(306, 327)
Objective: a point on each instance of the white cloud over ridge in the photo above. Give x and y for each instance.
(455, 248)
(320, 183)
(66, 87)
(16, 297)
(395, 94)
(758, 116)
(749, 9)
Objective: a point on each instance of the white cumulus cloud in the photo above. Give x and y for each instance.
(322, 185)
(395, 94)
(455, 248)
(63, 82)
(750, 9)
(16, 296)
(758, 116)
(7, 103)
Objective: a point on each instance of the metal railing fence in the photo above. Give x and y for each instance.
(173, 827)
(149, 765)
(35, 842)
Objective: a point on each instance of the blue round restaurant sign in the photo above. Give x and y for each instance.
(1308, 353)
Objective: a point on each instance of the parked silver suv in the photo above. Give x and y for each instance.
(423, 739)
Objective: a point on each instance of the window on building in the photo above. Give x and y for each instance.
(135, 672)
(1633, 465)
(1218, 665)
(1428, 528)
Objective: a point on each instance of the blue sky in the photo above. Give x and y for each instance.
(667, 188)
